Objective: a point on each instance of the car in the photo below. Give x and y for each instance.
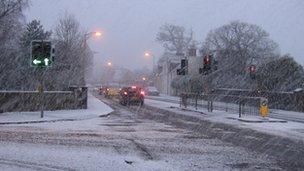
(102, 90)
(131, 95)
(152, 91)
(113, 91)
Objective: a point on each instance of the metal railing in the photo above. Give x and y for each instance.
(229, 103)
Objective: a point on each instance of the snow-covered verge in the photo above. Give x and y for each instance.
(293, 130)
(95, 109)
(284, 141)
(233, 108)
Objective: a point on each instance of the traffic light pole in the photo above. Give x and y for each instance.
(41, 93)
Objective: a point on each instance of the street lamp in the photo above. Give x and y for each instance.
(93, 33)
(97, 34)
(109, 64)
(144, 78)
(148, 54)
(89, 34)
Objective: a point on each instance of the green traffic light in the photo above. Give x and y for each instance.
(42, 55)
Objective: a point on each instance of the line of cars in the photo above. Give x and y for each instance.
(129, 94)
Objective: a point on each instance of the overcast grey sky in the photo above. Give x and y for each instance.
(130, 26)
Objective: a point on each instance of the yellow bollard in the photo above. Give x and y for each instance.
(264, 109)
(40, 88)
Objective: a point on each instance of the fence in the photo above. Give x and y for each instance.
(292, 101)
(228, 103)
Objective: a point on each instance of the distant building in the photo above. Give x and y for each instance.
(167, 70)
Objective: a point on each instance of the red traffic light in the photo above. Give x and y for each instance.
(207, 60)
(252, 69)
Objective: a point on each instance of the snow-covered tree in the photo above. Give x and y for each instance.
(283, 74)
(236, 46)
(127, 77)
(239, 44)
(30, 76)
(73, 56)
(174, 39)
(11, 24)
(34, 31)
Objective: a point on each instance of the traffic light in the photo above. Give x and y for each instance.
(184, 67)
(252, 71)
(184, 63)
(42, 53)
(207, 63)
(207, 60)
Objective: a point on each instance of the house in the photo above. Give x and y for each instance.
(167, 70)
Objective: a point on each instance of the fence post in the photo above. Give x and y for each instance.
(184, 100)
(211, 105)
(180, 100)
(240, 109)
(196, 101)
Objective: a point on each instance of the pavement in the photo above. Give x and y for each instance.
(272, 126)
(95, 109)
(244, 118)
(274, 113)
(258, 119)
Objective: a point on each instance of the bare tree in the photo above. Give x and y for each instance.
(9, 7)
(174, 38)
(126, 77)
(238, 44)
(73, 55)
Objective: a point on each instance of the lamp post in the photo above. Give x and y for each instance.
(148, 54)
(110, 70)
(89, 34)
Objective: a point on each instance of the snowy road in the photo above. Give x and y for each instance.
(125, 140)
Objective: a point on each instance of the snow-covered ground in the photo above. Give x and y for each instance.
(289, 129)
(122, 141)
(95, 109)
(232, 107)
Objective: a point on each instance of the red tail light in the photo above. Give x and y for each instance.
(142, 93)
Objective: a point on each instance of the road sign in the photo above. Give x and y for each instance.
(42, 53)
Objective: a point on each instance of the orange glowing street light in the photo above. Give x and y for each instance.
(90, 34)
(94, 33)
(147, 54)
(144, 78)
(97, 34)
(109, 64)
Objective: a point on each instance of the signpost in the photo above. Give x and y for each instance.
(42, 56)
